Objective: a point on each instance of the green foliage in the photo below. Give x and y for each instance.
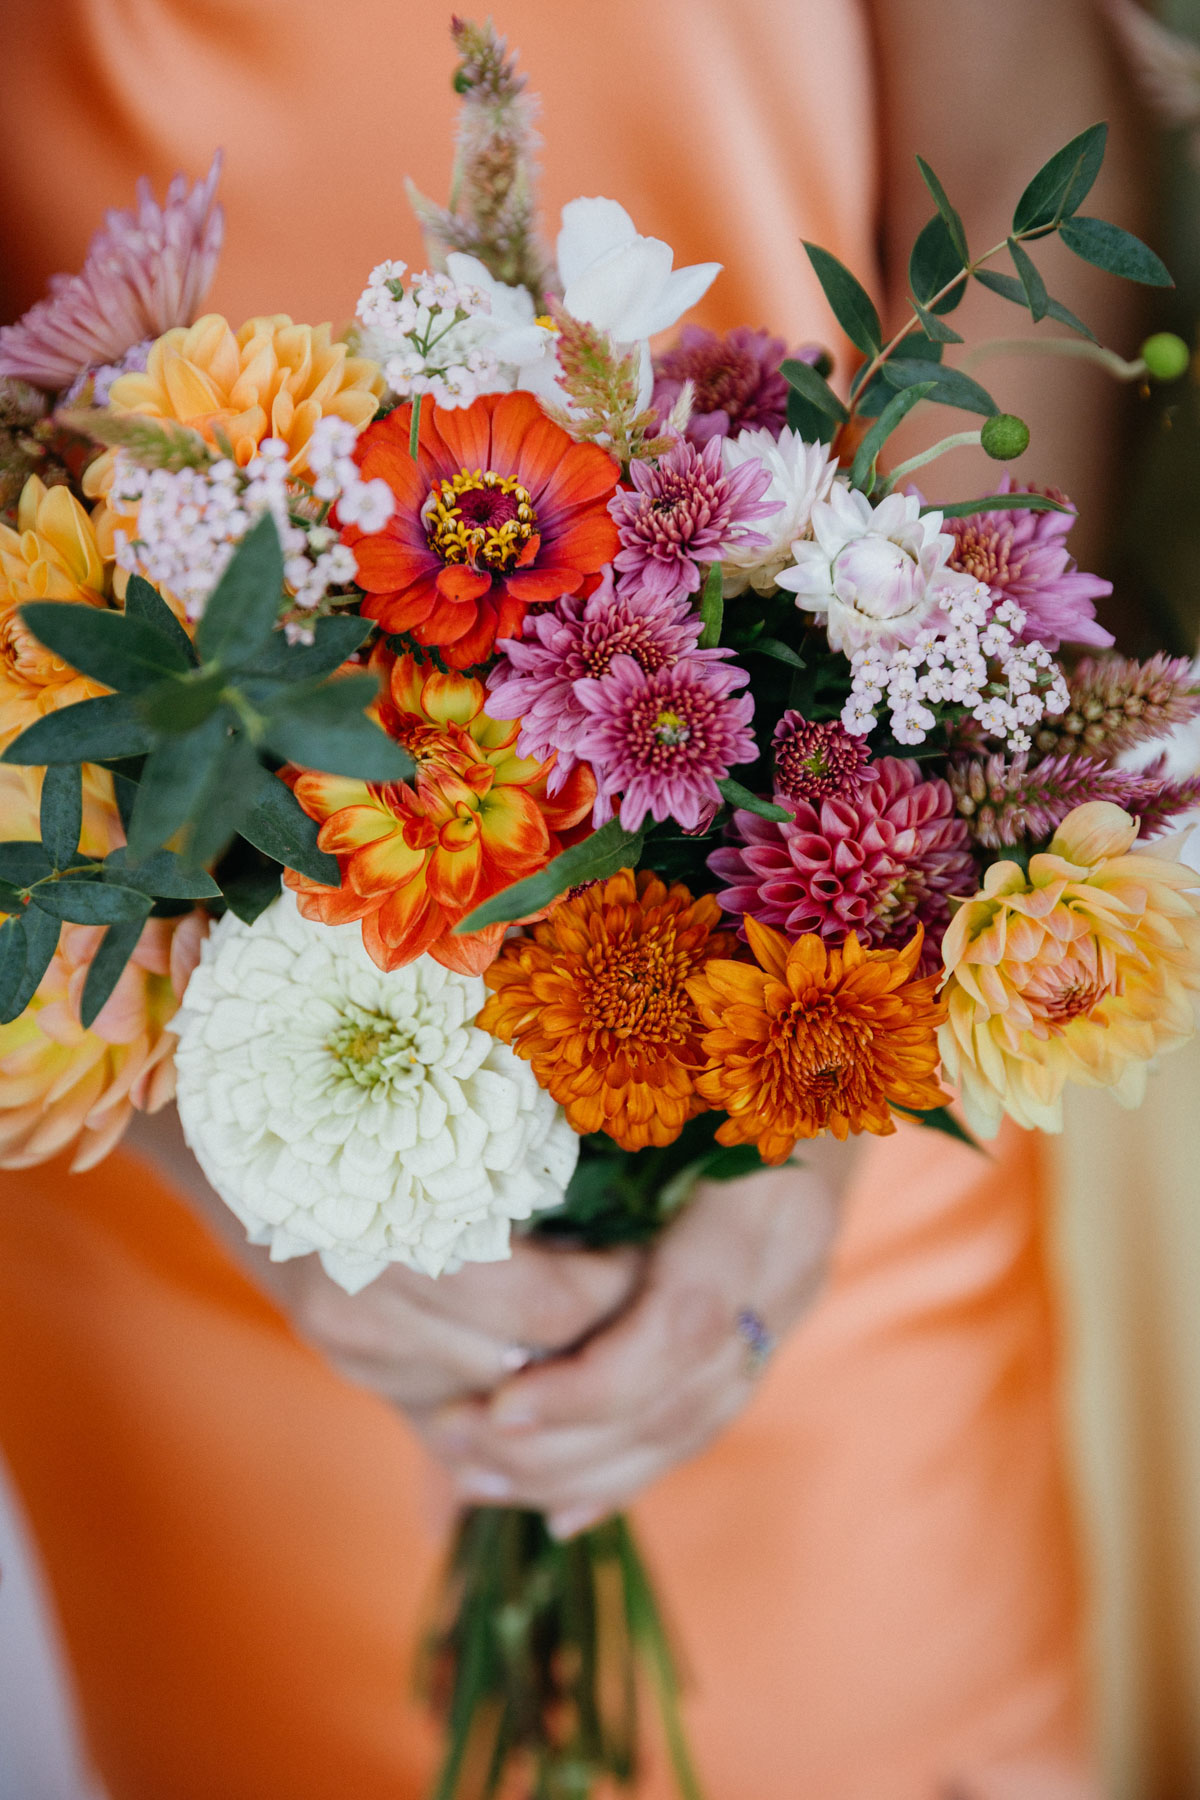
(111, 647)
(712, 608)
(278, 825)
(934, 265)
(804, 380)
(101, 730)
(862, 473)
(1009, 288)
(326, 727)
(963, 509)
(734, 794)
(116, 947)
(61, 812)
(242, 610)
(954, 224)
(1119, 252)
(1061, 185)
(852, 306)
(605, 853)
(948, 387)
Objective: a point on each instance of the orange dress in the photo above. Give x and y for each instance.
(873, 1571)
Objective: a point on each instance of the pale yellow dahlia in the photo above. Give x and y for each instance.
(1081, 970)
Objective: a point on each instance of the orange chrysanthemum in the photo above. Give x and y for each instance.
(816, 1038)
(597, 1000)
(417, 857)
(501, 509)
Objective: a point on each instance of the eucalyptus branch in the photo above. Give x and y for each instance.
(957, 440)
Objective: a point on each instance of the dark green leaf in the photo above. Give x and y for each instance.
(852, 306)
(1119, 252)
(963, 509)
(173, 781)
(1032, 285)
(729, 1162)
(935, 328)
(116, 947)
(164, 874)
(862, 474)
(11, 898)
(334, 640)
(243, 607)
(773, 647)
(940, 1118)
(87, 902)
(712, 608)
(808, 421)
(932, 267)
(121, 652)
(1010, 288)
(41, 941)
(182, 702)
(327, 728)
(605, 853)
(146, 604)
(1062, 184)
(234, 783)
(12, 967)
(248, 896)
(278, 825)
(125, 793)
(734, 794)
(954, 224)
(61, 818)
(23, 861)
(91, 731)
(951, 388)
(814, 388)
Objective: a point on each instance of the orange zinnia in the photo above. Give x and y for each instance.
(500, 510)
(816, 1038)
(597, 1000)
(417, 858)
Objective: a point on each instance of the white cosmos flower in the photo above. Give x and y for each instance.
(801, 474)
(359, 1114)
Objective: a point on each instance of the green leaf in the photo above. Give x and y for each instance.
(1119, 252)
(963, 509)
(173, 781)
(734, 794)
(121, 652)
(334, 640)
(88, 902)
(182, 702)
(233, 784)
(940, 1118)
(12, 967)
(1062, 184)
(776, 649)
(243, 608)
(1032, 285)
(61, 817)
(712, 608)
(248, 896)
(327, 728)
(41, 941)
(164, 874)
(146, 604)
(23, 861)
(950, 386)
(278, 825)
(90, 731)
(1010, 289)
(852, 306)
(935, 328)
(804, 380)
(862, 473)
(605, 853)
(729, 1162)
(954, 224)
(933, 265)
(11, 898)
(115, 949)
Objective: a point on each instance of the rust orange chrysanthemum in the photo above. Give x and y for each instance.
(816, 1038)
(499, 510)
(417, 857)
(597, 1000)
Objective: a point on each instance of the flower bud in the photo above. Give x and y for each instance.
(1166, 356)
(1004, 436)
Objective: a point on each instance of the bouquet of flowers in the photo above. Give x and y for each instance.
(487, 771)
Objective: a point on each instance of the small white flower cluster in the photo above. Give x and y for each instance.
(976, 661)
(427, 336)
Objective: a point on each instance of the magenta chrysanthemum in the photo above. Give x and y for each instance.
(146, 270)
(736, 381)
(1022, 556)
(576, 641)
(876, 863)
(813, 761)
(663, 741)
(685, 511)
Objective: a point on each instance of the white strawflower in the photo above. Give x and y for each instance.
(360, 1114)
(801, 474)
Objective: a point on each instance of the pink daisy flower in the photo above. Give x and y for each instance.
(1022, 556)
(684, 511)
(736, 381)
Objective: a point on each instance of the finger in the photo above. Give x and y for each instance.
(541, 1296)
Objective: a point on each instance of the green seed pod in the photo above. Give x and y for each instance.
(1166, 356)
(1004, 436)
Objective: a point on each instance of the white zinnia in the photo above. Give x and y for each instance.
(360, 1114)
(876, 573)
(801, 474)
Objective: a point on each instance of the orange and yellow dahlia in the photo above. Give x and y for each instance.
(499, 510)
(598, 1001)
(1081, 970)
(417, 857)
(815, 1037)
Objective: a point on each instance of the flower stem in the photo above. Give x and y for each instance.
(414, 430)
(1058, 346)
(957, 440)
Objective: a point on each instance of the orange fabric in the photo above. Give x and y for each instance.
(873, 1572)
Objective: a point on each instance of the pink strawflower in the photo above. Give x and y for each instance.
(575, 641)
(146, 270)
(684, 511)
(813, 761)
(736, 381)
(664, 740)
(1022, 556)
(875, 863)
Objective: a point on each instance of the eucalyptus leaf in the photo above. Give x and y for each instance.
(605, 853)
(40, 932)
(965, 509)
(950, 386)
(808, 421)
(61, 817)
(1119, 252)
(122, 652)
(814, 388)
(232, 786)
(954, 224)
(278, 825)
(12, 900)
(334, 640)
(164, 874)
(173, 781)
(1062, 185)
(852, 306)
(146, 604)
(933, 266)
(1032, 285)
(107, 966)
(182, 702)
(88, 902)
(12, 966)
(712, 608)
(248, 896)
(935, 328)
(243, 608)
(327, 728)
(729, 1162)
(862, 473)
(776, 649)
(734, 794)
(23, 861)
(97, 730)
(1010, 288)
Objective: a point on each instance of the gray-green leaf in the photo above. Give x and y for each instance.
(278, 825)
(61, 818)
(605, 853)
(107, 966)
(122, 652)
(734, 794)
(852, 305)
(97, 730)
(1119, 252)
(243, 608)
(1062, 185)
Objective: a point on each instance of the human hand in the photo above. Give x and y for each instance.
(578, 1437)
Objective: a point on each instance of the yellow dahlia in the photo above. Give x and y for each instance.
(1080, 970)
(816, 1037)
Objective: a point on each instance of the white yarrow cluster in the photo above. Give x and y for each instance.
(801, 475)
(358, 1114)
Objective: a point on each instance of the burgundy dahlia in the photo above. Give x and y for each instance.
(736, 381)
(1022, 556)
(877, 863)
(685, 510)
(813, 761)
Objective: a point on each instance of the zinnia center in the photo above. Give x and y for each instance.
(482, 519)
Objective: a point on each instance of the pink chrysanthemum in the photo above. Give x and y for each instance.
(736, 381)
(686, 511)
(663, 741)
(147, 270)
(576, 641)
(1022, 556)
(876, 863)
(813, 761)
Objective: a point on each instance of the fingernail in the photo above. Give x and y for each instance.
(484, 1484)
(515, 1358)
(569, 1524)
(515, 1414)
